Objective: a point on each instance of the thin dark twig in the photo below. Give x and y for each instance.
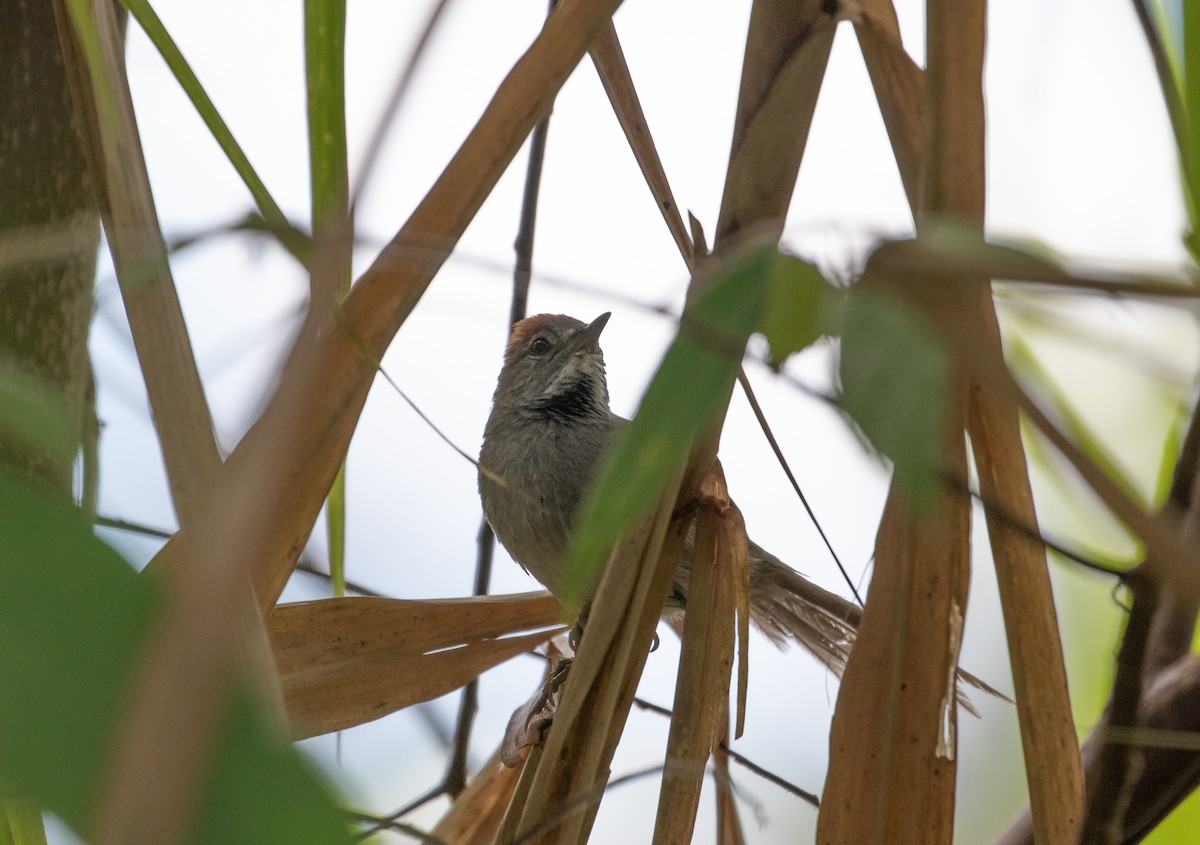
(1011, 520)
(580, 802)
(1156, 618)
(1175, 615)
(379, 823)
(783, 462)
(133, 527)
(523, 245)
(392, 819)
(658, 709)
(455, 780)
(253, 224)
(741, 760)
(309, 568)
(787, 786)
(1110, 790)
(1166, 79)
(432, 425)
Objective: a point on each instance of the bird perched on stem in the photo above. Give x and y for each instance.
(549, 428)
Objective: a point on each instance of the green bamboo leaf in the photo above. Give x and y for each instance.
(33, 418)
(291, 238)
(893, 371)
(93, 51)
(1026, 361)
(335, 520)
(680, 402)
(325, 66)
(801, 307)
(74, 617)
(325, 63)
(1180, 414)
(21, 823)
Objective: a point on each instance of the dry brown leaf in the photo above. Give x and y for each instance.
(701, 712)
(476, 815)
(343, 662)
(614, 74)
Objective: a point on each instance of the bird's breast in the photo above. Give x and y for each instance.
(546, 467)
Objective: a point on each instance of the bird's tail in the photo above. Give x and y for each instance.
(787, 606)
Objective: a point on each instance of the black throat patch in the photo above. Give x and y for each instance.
(577, 401)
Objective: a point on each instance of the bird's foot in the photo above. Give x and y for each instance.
(529, 723)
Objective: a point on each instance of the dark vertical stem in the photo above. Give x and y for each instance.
(1109, 792)
(45, 306)
(524, 242)
(456, 774)
(1175, 616)
(1166, 77)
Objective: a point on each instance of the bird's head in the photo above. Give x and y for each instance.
(553, 367)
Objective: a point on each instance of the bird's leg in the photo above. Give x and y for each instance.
(575, 636)
(528, 724)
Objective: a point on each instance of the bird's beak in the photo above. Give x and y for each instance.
(588, 340)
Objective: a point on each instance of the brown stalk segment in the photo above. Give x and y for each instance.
(343, 662)
(114, 152)
(275, 482)
(512, 817)
(893, 746)
(899, 88)
(891, 762)
(1053, 767)
(701, 711)
(1043, 705)
(729, 825)
(618, 84)
(614, 74)
(477, 814)
(575, 759)
(787, 51)
(735, 536)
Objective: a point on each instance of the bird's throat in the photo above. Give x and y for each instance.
(576, 401)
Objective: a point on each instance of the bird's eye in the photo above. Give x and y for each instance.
(540, 346)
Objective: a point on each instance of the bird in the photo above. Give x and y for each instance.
(549, 429)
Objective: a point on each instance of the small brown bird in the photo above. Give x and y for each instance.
(549, 428)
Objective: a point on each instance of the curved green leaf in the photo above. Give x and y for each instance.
(893, 370)
(801, 307)
(73, 620)
(685, 392)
